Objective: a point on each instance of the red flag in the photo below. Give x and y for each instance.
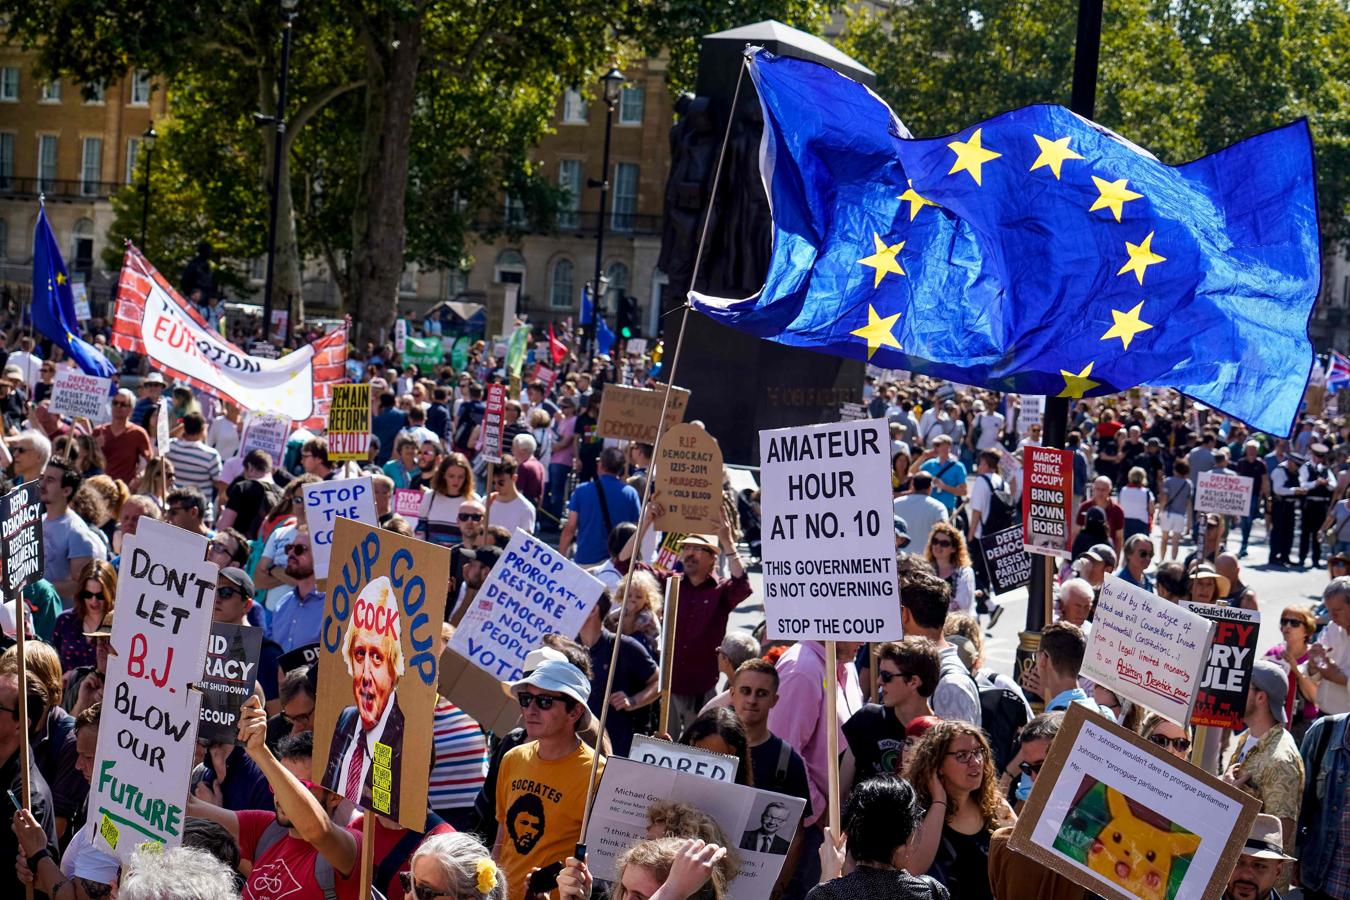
(556, 348)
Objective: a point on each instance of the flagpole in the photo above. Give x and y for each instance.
(650, 479)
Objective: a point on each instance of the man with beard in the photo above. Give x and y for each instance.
(299, 616)
(541, 785)
(1261, 864)
(365, 757)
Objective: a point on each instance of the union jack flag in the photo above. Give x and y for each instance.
(1338, 371)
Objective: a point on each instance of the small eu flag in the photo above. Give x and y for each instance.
(1035, 252)
(54, 307)
(604, 337)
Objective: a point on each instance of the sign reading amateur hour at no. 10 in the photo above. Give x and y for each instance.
(829, 542)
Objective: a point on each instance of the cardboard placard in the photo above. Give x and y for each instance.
(76, 394)
(852, 412)
(21, 539)
(79, 295)
(1047, 500)
(143, 763)
(828, 541)
(687, 481)
(669, 755)
(494, 422)
(228, 678)
(349, 423)
(1005, 560)
(1183, 828)
(265, 431)
(325, 503)
(407, 503)
(1147, 649)
(486, 700)
(545, 375)
(1227, 495)
(1031, 413)
(1222, 700)
(532, 591)
(634, 414)
(747, 816)
(377, 670)
(636, 346)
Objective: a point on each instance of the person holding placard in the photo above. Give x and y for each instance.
(12, 733)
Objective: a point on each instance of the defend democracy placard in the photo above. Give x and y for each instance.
(1227, 495)
(1047, 500)
(1006, 561)
(76, 394)
(21, 538)
(1146, 649)
(228, 678)
(1228, 674)
(349, 423)
(828, 540)
(166, 590)
(532, 591)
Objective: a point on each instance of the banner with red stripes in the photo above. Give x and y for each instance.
(153, 320)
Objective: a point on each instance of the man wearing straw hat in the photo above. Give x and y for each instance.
(1261, 864)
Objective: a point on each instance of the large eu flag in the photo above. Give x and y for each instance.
(54, 307)
(1035, 252)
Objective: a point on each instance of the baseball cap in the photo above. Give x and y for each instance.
(487, 555)
(1095, 514)
(1266, 840)
(902, 530)
(1267, 676)
(104, 627)
(1102, 553)
(558, 676)
(240, 579)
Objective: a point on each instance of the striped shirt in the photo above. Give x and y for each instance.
(459, 758)
(195, 464)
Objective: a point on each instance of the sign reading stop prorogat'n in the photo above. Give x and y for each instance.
(828, 533)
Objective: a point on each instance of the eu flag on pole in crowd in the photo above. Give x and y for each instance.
(1035, 252)
(604, 338)
(54, 308)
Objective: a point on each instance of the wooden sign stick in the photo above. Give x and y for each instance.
(832, 732)
(668, 617)
(367, 851)
(20, 632)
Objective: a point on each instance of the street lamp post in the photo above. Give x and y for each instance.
(278, 123)
(611, 84)
(148, 139)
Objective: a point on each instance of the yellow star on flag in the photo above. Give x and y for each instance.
(1053, 154)
(60, 277)
(883, 260)
(1141, 257)
(915, 201)
(971, 155)
(1127, 325)
(1113, 195)
(877, 331)
(1075, 386)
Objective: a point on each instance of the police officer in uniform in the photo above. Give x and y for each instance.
(1285, 487)
(1316, 478)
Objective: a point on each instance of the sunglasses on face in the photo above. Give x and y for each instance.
(1031, 769)
(1144, 554)
(1181, 744)
(471, 517)
(1292, 623)
(937, 543)
(121, 403)
(88, 595)
(228, 593)
(297, 549)
(419, 891)
(542, 701)
(887, 677)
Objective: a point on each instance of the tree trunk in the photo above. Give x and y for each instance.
(393, 50)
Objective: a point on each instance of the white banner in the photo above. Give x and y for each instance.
(351, 498)
(77, 394)
(166, 589)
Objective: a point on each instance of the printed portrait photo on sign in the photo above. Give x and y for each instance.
(377, 670)
(773, 828)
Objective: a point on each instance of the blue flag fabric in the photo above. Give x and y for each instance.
(1035, 252)
(54, 307)
(604, 338)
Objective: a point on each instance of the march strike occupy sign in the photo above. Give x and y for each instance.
(1228, 674)
(349, 423)
(494, 422)
(1006, 561)
(166, 590)
(227, 680)
(828, 540)
(1047, 500)
(1227, 495)
(532, 591)
(77, 395)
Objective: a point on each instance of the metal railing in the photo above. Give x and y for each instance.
(58, 188)
(581, 222)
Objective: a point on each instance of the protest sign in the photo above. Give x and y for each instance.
(687, 481)
(1126, 819)
(828, 542)
(425, 353)
(377, 670)
(265, 431)
(1222, 700)
(325, 503)
(633, 414)
(162, 427)
(1006, 561)
(407, 503)
(143, 764)
(668, 551)
(231, 670)
(1047, 500)
(1010, 467)
(304, 655)
(268, 350)
(545, 375)
(1146, 649)
(77, 394)
(79, 295)
(494, 422)
(349, 423)
(532, 591)
(1227, 495)
(852, 412)
(1031, 413)
(21, 538)
(486, 700)
(668, 755)
(400, 336)
(761, 823)
(636, 346)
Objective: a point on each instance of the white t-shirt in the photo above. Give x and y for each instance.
(1332, 698)
(224, 436)
(82, 860)
(1134, 501)
(980, 496)
(989, 425)
(512, 514)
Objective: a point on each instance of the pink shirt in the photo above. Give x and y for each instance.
(566, 428)
(799, 717)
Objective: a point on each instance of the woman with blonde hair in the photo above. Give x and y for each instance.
(155, 480)
(94, 600)
(947, 553)
(438, 516)
(113, 492)
(952, 771)
(639, 596)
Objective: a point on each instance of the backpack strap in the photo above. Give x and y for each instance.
(604, 503)
(325, 877)
(273, 833)
(784, 758)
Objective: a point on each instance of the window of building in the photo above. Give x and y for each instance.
(630, 106)
(96, 91)
(514, 213)
(51, 91)
(46, 168)
(6, 159)
(407, 282)
(456, 283)
(625, 196)
(91, 166)
(569, 179)
(574, 107)
(510, 267)
(617, 276)
(82, 247)
(140, 88)
(257, 268)
(133, 152)
(9, 83)
(560, 291)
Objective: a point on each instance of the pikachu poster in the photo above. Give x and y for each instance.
(1127, 820)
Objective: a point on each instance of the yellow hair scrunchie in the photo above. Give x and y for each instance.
(487, 876)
